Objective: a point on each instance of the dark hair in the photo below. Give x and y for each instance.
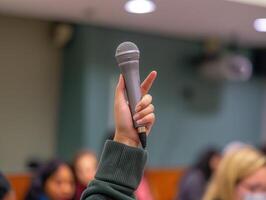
(37, 187)
(203, 161)
(263, 149)
(4, 186)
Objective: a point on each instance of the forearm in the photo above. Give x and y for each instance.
(119, 173)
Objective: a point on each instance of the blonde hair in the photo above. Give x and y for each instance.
(235, 166)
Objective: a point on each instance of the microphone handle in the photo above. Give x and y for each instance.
(142, 136)
(130, 71)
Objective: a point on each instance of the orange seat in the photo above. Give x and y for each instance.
(20, 183)
(164, 183)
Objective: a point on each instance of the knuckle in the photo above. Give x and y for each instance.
(149, 97)
(152, 107)
(150, 117)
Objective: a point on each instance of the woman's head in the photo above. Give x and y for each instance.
(55, 180)
(85, 164)
(237, 174)
(208, 161)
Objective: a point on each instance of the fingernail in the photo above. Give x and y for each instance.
(139, 121)
(136, 116)
(138, 108)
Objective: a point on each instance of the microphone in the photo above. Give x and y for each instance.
(127, 57)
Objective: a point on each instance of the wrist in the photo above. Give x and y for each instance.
(121, 138)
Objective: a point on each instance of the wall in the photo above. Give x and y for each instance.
(191, 112)
(29, 85)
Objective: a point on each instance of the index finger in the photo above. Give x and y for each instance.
(147, 83)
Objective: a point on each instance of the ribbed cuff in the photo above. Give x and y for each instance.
(121, 164)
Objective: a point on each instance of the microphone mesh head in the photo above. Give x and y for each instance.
(127, 51)
(126, 46)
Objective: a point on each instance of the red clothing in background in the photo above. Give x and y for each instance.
(79, 189)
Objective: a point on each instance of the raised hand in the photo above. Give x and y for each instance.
(125, 131)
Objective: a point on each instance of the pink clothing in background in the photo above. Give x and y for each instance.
(143, 192)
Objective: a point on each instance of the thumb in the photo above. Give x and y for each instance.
(120, 89)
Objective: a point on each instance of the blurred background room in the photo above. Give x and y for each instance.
(58, 74)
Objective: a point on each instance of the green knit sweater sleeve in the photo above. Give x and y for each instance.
(119, 173)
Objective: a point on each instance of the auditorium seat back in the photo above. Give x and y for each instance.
(20, 183)
(164, 183)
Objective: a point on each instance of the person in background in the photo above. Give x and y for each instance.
(241, 175)
(143, 192)
(233, 146)
(53, 181)
(193, 184)
(6, 192)
(263, 149)
(85, 165)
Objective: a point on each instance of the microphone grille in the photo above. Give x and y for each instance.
(126, 47)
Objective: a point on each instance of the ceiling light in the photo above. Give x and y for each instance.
(260, 25)
(251, 2)
(140, 6)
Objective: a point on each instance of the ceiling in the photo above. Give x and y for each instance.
(185, 18)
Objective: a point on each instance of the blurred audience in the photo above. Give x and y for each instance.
(6, 192)
(233, 146)
(194, 182)
(53, 181)
(241, 175)
(33, 165)
(85, 165)
(143, 192)
(263, 149)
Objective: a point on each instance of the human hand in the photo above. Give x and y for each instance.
(125, 132)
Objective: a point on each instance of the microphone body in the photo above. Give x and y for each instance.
(127, 56)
